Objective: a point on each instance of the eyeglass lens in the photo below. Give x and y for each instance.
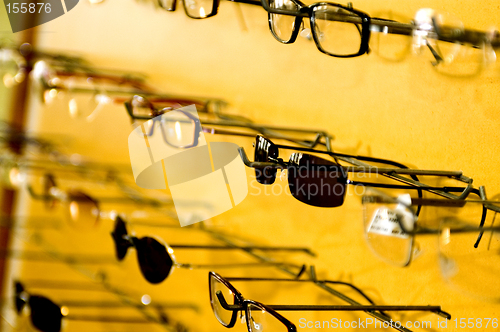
(216, 287)
(258, 320)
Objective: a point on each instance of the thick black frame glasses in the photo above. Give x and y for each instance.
(349, 21)
(227, 313)
(157, 261)
(329, 178)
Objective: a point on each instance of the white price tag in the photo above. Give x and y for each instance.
(385, 222)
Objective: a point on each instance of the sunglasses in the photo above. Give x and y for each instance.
(468, 236)
(186, 124)
(319, 182)
(227, 301)
(157, 261)
(47, 316)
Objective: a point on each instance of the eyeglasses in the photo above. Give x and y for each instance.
(322, 183)
(457, 51)
(181, 128)
(199, 9)
(227, 301)
(13, 66)
(469, 239)
(337, 30)
(157, 261)
(47, 316)
(83, 210)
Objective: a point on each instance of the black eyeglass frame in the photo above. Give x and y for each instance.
(308, 11)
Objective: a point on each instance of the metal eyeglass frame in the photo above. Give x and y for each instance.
(487, 205)
(123, 241)
(241, 304)
(392, 173)
(321, 138)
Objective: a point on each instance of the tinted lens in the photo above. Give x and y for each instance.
(259, 319)
(316, 181)
(264, 149)
(337, 31)
(121, 244)
(216, 287)
(383, 232)
(45, 314)
(199, 8)
(282, 26)
(83, 209)
(154, 260)
(179, 129)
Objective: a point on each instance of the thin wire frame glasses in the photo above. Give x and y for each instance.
(467, 231)
(227, 301)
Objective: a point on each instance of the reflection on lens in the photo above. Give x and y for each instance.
(336, 30)
(259, 320)
(83, 210)
(199, 8)
(179, 129)
(472, 270)
(216, 287)
(282, 26)
(384, 235)
(167, 4)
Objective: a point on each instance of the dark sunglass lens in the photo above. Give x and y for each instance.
(45, 314)
(316, 181)
(118, 234)
(264, 149)
(154, 260)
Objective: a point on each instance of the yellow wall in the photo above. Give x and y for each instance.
(403, 111)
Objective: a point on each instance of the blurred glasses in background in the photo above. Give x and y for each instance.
(181, 128)
(199, 9)
(13, 66)
(83, 210)
(86, 90)
(468, 233)
(457, 51)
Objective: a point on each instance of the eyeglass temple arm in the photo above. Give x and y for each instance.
(221, 237)
(239, 307)
(256, 164)
(262, 130)
(263, 248)
(242, 265)
(117, 200)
